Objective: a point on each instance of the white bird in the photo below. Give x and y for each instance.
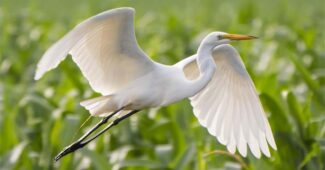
(215, 80)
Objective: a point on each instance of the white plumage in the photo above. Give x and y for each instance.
(105, 49)
(215, 79)
(229, 106)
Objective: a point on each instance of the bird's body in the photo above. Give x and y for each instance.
(157, 91)
(215, 79)
(161, 86)
(150, 91)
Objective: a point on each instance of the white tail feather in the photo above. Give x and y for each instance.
(99, 105)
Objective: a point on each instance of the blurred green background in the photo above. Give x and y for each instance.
(287, 64)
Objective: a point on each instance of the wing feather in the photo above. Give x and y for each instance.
(105, 49)
(229, 106)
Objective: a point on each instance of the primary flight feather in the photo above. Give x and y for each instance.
(215, 80)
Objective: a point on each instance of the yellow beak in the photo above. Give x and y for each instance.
(238, 37)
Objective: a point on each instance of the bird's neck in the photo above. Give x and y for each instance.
(206, 66)
(204, 59)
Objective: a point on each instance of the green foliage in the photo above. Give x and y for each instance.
(287, 64)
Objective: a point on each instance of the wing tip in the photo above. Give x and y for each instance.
(243, 153)
(37, 75)
(270, 140)
(273, 145)
(112, 12)
(257, 153)
(123, 10)
(267, 155)
(231, 148)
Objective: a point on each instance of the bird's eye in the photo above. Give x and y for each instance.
(220, 37)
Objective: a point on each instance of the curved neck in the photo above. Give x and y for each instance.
(206, 66)
(204, 58)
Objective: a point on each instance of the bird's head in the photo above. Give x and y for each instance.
(217, 38)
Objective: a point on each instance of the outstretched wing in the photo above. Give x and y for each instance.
(105, 49)
(229, 106)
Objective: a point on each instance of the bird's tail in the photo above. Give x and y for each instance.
(99, 106)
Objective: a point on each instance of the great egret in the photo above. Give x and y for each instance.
(215, 80)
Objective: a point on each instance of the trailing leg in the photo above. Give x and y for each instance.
(81, 143)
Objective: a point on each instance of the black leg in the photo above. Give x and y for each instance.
(79, 143)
